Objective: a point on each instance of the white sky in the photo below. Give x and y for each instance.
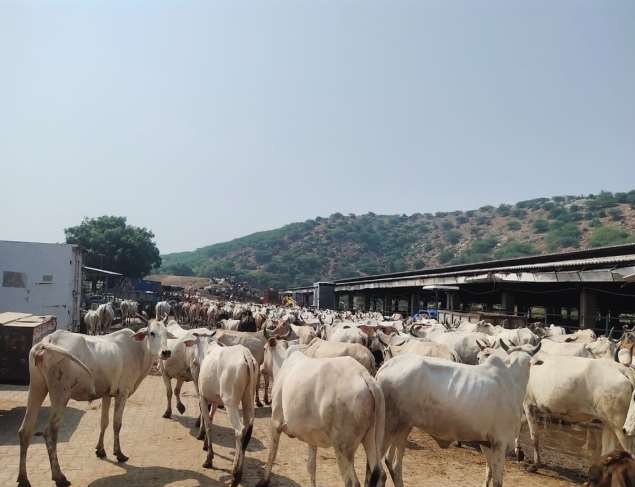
(205, 121)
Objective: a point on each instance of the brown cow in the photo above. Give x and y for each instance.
(615, 469)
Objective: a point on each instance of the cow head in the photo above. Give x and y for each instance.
(156, 337)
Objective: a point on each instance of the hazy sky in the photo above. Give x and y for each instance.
(206, 121)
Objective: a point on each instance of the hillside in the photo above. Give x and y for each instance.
(355, 245)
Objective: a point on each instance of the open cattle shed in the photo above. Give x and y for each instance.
(588, 288)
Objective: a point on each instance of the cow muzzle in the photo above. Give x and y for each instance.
(166, 354)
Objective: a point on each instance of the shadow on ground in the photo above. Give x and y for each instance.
(221, 435)
(11, 419)
(156, 476)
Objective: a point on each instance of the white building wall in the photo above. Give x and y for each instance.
(42, 279)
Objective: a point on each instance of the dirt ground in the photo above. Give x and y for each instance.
(164, 452)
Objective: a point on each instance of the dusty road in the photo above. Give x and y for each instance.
(164, 452)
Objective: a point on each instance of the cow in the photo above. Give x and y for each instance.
(423, 348)
(255, 342)
(162, 310)
(464, 344)
(225, 375)
(68, 365)
(454, 402)
(106, 317)
(581, 389)
(128, 311)
(319, 348)
(615, 469)
(601, 348)
(327, 402)
(91, 319)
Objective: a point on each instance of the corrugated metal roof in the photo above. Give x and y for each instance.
(607, 251)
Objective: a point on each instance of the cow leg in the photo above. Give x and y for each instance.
(239, 455)
(167, 381)
(105, 409)
(273, 451)
(58, 404)
(37, 393)
(258, 403)
(533, 433)
(345, 462)
(609, 438)
(267, 400)
(207, 417)
(120, 404)
(311, 464)
(177, 392)
(374, 472)
(495, 457)
(399, 450)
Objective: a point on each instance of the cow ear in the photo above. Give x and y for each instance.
(369, 330)
(170, 336)
(141, 334)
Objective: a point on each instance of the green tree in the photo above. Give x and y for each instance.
(562, 236)
(179, 269)
(606, 235)
(541, 226)
(514, 249)
(513, 225)
(111, 243)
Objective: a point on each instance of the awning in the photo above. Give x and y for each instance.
(101, 271)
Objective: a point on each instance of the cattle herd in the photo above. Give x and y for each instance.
(342, 379)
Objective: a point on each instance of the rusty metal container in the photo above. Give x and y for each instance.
(18, 333)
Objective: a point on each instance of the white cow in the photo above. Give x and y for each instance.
(327, 402)
(464, 344)
(128, 310)
(91, 319)
(227, 376)
(319, 348)
(68, 365)
(106, 317)
(483, 405)
(162, 310)
(600, 348)
(581, 389)
(423, 348)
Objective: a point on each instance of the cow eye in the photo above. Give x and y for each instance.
(151, 333)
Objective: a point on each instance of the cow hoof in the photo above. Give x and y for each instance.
(100, 453)
(121, 458)
(236, 479)
(167, 414)
(207, 464)
(23, 482)
(221, 406)
(180, 407)
(197, 424)
(267, 402)
(258, 404)
(263, 483)
(533, 468)
(200, 436)
(520, 454)
(63, 482)
(205, 446)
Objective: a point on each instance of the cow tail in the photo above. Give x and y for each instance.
(379, 420)
(42, 348)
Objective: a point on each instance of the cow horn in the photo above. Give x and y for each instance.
(480, 344)
(411, 331)
(611, 331)
(536, 349)
(504, 345)
(266, 333)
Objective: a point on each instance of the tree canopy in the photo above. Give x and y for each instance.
(112, 244)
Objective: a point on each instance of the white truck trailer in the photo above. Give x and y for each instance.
(42, 279)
